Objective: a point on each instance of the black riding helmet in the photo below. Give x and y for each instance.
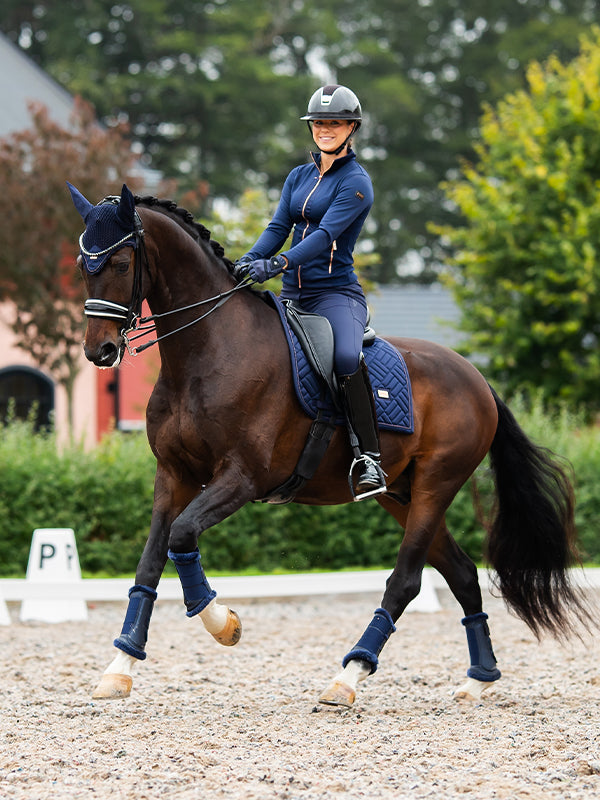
(334, 102)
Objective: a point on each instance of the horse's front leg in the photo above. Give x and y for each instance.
(117, 679)
(220, 621)
(220, 498)
(217, 501)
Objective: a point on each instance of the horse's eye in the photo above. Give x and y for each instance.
(121, 267)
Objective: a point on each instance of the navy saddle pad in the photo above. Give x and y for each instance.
(387, 370)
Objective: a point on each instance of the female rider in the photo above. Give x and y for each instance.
(326, 202)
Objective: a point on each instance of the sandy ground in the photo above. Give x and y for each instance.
(205, 721)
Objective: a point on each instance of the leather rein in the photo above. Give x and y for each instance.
(131, 315)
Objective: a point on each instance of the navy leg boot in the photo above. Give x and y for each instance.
(483, 661)
(370, 644)
(197, 593)
(134, 633)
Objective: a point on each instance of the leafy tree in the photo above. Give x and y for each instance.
(209, 89)
(526, 261)
(424, 69)
(39, 229)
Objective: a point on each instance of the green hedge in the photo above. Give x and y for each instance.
(105, 495)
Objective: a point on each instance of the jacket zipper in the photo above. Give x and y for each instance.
(308, 196)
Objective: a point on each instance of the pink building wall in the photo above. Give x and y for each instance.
(85, 410)
(94, 411)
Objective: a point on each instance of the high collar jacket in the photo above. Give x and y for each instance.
(326, 212)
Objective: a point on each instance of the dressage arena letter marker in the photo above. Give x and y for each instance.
(46, 551)
(54, 586)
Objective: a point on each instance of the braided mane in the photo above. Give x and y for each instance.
(184, 218)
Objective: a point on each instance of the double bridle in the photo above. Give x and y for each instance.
(131, 315)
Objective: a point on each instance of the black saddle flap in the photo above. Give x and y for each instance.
(316, 338)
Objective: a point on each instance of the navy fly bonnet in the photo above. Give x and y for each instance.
(110, 225)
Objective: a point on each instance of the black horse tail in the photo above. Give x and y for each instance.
(532, 539)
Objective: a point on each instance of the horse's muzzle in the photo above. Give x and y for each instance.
(106, 355)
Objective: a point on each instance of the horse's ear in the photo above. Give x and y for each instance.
(81, 204)
(126, 208)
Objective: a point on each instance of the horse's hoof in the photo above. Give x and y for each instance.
(113, 687)
(338, 694)
(232, 632)
(472, 690)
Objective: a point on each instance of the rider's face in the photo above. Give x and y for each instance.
(329, 134)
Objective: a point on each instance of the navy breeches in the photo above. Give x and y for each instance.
(346, 309)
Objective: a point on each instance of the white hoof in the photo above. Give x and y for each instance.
(342, 689)
(113, 687)
(472, 689)
(232, 632)
(222, 623)
(338, 694)
(116, 682)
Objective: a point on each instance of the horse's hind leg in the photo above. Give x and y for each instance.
(426, 537)
(460, 573)
(403, 585)
(360, 662)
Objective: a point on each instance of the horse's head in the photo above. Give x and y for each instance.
(112, 239)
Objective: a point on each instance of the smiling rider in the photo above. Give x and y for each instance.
(325, 202)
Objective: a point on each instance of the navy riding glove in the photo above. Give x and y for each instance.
(265, 268)
(240, 267)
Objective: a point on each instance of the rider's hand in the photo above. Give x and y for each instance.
(240, 267)
(265, 268)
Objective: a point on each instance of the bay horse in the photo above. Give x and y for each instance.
(226, 427)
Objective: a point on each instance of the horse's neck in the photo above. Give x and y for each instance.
(185, 275)
(199, 333)
(184, 272)
(180, 284)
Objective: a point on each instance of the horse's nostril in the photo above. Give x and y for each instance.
(106, 355)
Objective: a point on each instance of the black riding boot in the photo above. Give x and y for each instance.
(359, 405)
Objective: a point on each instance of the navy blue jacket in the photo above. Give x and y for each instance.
(327, 213)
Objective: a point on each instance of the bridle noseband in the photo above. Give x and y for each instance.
(131, 315)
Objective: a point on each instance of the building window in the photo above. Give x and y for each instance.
(23, 389)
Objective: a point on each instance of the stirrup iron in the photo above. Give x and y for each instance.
(365, 460)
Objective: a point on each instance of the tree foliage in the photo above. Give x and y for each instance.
(526, 265)
(39, 229)
(213, 90)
